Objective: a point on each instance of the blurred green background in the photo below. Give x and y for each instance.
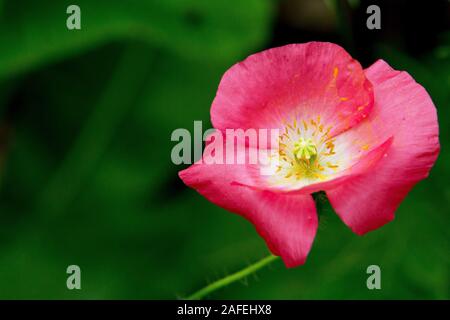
(86, 176)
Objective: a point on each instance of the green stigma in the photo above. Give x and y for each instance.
(305, 149)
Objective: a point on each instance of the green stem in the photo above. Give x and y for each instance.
(232, 278)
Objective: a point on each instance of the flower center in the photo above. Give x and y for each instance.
(305, 149)
(306, 155)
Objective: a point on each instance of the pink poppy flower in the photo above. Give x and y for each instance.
(365, 137)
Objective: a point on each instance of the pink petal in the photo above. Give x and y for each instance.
(404, 110)
(304, 80)
(288, 223)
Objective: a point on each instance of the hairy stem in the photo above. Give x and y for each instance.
(232, 278)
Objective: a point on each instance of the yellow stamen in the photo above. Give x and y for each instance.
(335, 72)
